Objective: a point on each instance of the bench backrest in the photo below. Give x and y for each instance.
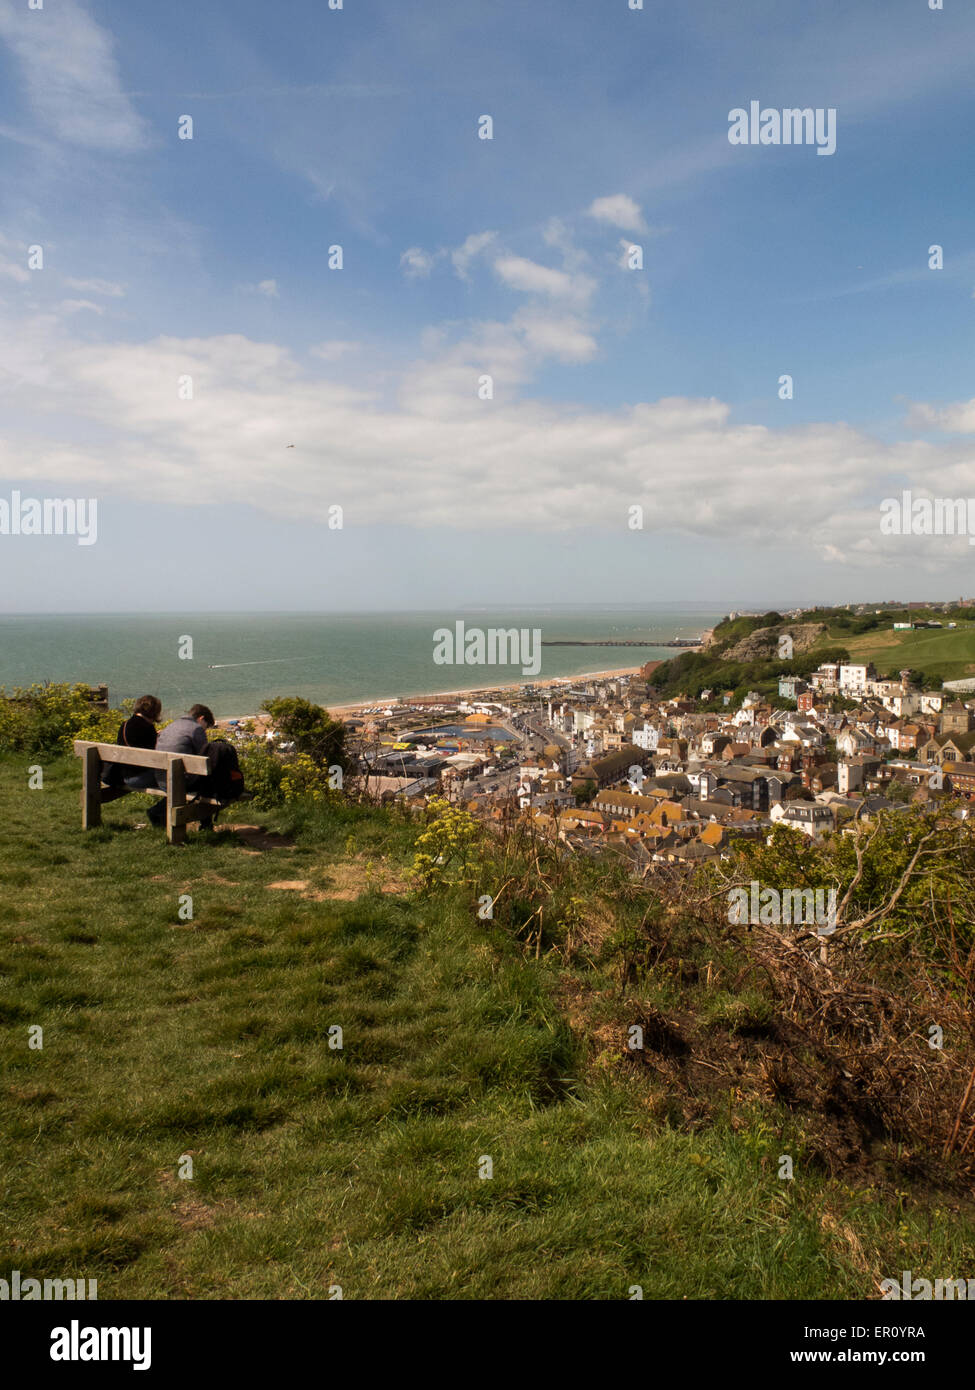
(194, 763)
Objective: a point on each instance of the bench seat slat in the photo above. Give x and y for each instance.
(194, 763)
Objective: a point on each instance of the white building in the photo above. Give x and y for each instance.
(646, 738)
(812, 820)
(582, 720)
(826, 677)
(903, 705)
(853, 678)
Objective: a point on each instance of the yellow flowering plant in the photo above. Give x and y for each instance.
(448, 850)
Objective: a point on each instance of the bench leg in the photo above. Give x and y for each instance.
(175, 799)
(91, 790)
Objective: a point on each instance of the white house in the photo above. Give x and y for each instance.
(903, 705)
(646, 738)
(826, 677)
(806, 735)
(854, 677)
(851, 742)
(809, 819)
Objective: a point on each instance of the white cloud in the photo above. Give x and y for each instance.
(956, 418)
(417, 263)
(565, 338)
(555, 233)
(522, 274)
(71, 75)
(463, 255)
(13, 259)
(73, 306)
(266, 288)
(13, 271)
(105, 287)
(620, 210)
(107, 416)
(333, 349)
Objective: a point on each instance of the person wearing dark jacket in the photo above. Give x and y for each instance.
(188, 734)
(138, 731)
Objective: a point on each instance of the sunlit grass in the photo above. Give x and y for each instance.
(313, 1167)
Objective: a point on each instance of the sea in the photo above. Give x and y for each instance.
(234, 661)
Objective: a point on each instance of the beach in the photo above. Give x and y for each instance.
(347, 711)
(468, 691)
(356, 708)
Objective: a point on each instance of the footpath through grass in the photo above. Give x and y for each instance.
(313, 1167)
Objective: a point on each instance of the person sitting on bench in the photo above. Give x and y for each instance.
(188, 734)
(138, 731)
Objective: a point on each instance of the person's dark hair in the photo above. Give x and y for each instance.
(197, 711)
(149, 706)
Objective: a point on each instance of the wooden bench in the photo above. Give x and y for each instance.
(180, 807)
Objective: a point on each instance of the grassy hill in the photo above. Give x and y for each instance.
(949, 653)
(166, 1036)
(940, 654)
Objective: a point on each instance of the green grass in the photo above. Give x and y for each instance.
(314, 1167)
(949, 652)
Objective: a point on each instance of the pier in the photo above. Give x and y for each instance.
(677, 642)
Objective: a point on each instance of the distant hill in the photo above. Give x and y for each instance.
(742, 653)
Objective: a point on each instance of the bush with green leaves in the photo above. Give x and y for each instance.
(905, 878)
(451, 847)
(47, 718)
(263, 774)
(303, 777)
(310, 728)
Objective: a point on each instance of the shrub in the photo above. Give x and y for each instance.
(449, 849)
(263, 774)
(303, 777)
(911, 885)
(46, 718)
(310, 728)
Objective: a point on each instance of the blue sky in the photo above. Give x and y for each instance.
(462, 257)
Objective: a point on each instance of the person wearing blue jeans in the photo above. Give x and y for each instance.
(188, 734)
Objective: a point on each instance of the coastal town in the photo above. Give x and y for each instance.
(607, 761)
